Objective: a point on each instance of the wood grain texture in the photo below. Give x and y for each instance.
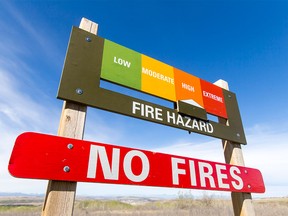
(60, 195)
(242, 202)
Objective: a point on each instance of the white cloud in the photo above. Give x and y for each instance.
(268, 152)
(19, 112)
(23, 103)
(101, 127)
(211, 150)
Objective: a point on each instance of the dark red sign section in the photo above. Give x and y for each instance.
(41, 156)
(213, 99)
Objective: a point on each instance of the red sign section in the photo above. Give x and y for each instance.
(213, 99)
(40, 156)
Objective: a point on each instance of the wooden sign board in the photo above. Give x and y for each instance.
(91, 58)
(41, 156)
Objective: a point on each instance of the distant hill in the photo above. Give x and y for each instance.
(4, 194)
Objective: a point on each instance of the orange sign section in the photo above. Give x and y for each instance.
(158, 78)
(188, 88)
(213, 99)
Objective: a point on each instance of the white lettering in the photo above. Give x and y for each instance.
(188, 121)
(192, 173)
(158, 75)
(135, 107)
(195, 124)
(112, 172)
(202, 126)
(147, 111)
(171, 116)
(158, 114)
(188, 87)
(180, 120)
(122, 62)
(206, 174)
(151, 112)
(176, 171)
(212, 96)
(108, 172)
(127, 64)
(210, 128)
(128, 166)
(240, 184)
(221, 176)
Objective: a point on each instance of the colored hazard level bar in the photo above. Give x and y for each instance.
(126, 67)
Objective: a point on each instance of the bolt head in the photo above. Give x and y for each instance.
(79, 91)
(70, 146)
(66, 169)
(88, 39)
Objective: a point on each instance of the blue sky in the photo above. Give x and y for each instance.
(242, 42)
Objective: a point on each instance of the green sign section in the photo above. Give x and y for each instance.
(121, 65)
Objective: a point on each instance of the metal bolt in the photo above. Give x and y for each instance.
(238, 135)
(245, 171)
(229, 96)
(249, 186)
(88, 39)
(66, 169)
(70, 146)
(79, 91)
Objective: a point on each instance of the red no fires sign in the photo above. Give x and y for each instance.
(42, 156)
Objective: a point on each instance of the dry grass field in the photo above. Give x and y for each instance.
(30, 206)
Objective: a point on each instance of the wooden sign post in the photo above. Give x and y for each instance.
(60, 195)
(242, 202)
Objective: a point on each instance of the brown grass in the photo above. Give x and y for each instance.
(182, 206)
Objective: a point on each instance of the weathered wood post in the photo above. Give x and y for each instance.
(60, 195)
(242, 202)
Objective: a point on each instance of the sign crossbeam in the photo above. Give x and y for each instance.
(86, 64)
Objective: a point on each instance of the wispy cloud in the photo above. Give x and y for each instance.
(18, 113)
(23, 103)
(36, 31)
(16, 105)
(267, 150)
